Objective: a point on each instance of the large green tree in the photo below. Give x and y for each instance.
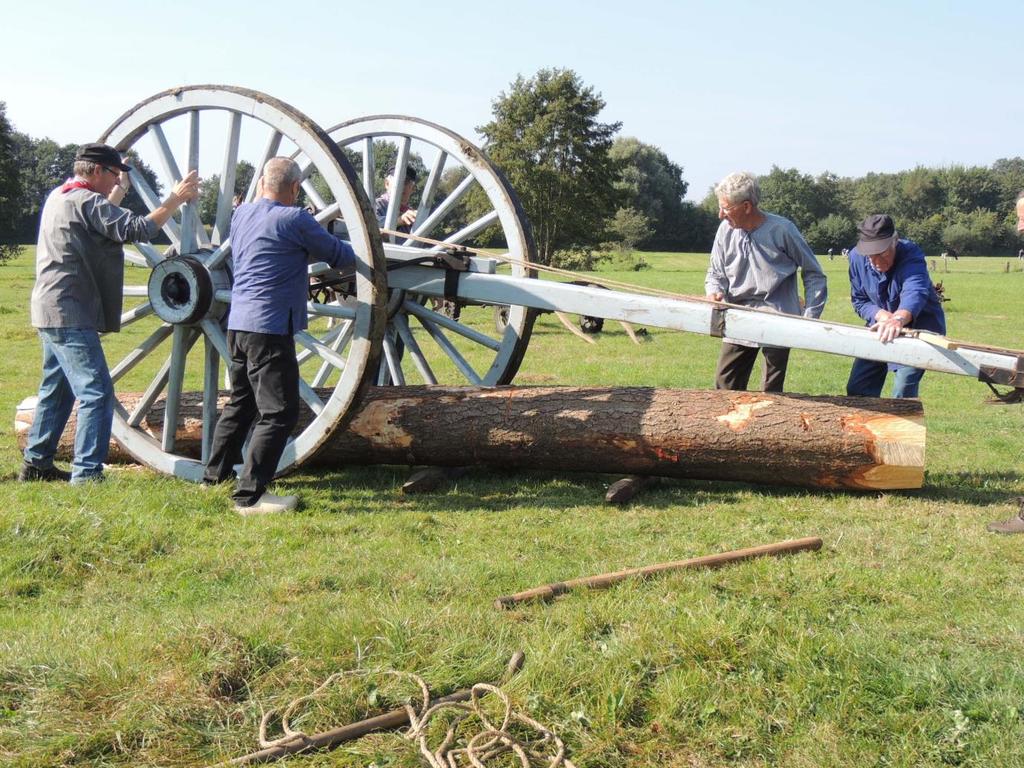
(546, 137)
(651, 184)
(11, 189)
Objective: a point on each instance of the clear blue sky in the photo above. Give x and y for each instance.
(718, 86)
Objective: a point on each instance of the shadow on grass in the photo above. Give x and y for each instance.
(484, 489)
(977, 488)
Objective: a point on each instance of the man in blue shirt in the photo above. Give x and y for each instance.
(272, 243)
(891, 289)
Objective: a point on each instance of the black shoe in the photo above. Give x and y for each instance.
(30, 473)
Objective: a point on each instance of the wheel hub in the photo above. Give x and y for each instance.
(183, 291)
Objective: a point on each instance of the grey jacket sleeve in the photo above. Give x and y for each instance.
(117, 223)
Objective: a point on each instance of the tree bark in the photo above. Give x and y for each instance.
(819, 442)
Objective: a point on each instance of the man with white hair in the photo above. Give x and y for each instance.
(754, 262)
(272, 243)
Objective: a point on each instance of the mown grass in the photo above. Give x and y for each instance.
(143, 623)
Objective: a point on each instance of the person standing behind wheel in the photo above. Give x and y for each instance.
(77, 296)
(272, 243)
(406, 215)
(891, 290)
(754, 262)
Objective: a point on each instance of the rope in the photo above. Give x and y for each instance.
(485, 741)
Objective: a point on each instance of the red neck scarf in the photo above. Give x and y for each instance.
(75, 184)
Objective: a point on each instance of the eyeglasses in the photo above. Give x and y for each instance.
(729, 208)
(112, 171)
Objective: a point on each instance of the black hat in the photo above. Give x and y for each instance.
(101, 154)
(410, 172)
(876, 233)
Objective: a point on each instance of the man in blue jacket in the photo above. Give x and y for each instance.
(272, 243)
(891, 289)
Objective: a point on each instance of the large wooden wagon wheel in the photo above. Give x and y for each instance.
(464, 200)
(177, 297)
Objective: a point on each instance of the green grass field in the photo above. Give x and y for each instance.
(142, 622)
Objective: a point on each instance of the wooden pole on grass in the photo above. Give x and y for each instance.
(549, 591)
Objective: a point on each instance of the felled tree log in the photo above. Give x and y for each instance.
(820, 442)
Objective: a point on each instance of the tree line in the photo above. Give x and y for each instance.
(586, 190)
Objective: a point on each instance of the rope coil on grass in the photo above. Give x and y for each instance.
(489, 742)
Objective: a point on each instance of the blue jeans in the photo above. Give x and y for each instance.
(74, 368)
(868, 376)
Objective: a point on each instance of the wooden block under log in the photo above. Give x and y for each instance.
(818, 442)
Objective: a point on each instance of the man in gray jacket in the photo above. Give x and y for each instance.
(77, 296)
(754, 262)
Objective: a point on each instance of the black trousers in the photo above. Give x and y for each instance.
(736, 362)
(265, 390)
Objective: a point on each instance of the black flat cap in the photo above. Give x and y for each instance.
(102, 154)
(875, 234)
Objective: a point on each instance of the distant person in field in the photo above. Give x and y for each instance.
(846, 253)
(754, 262)
(77, 296)
(831, 253)
(891, 290)
(406, 215)
(272, 243)
(1016, 523)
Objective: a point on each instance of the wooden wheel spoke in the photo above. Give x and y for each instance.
(226, 193)
(182, 343)
(449, 349)
(314, 197)
(421, 312)
(142, 255)
(136, 313)
(312, 343)
(369, 171)
(307, 393)
(328, 213)
(331, 310)
(397, 184)
(430, 187)
(468, 231)
(137, 355)
(413, 348)
(217, 337)
(222, 252)
(335, 337)
(190, 224)
(149, 197)
(392, 366)
(269, 151)
(425, 228)
(211, 376)
(156, 386)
